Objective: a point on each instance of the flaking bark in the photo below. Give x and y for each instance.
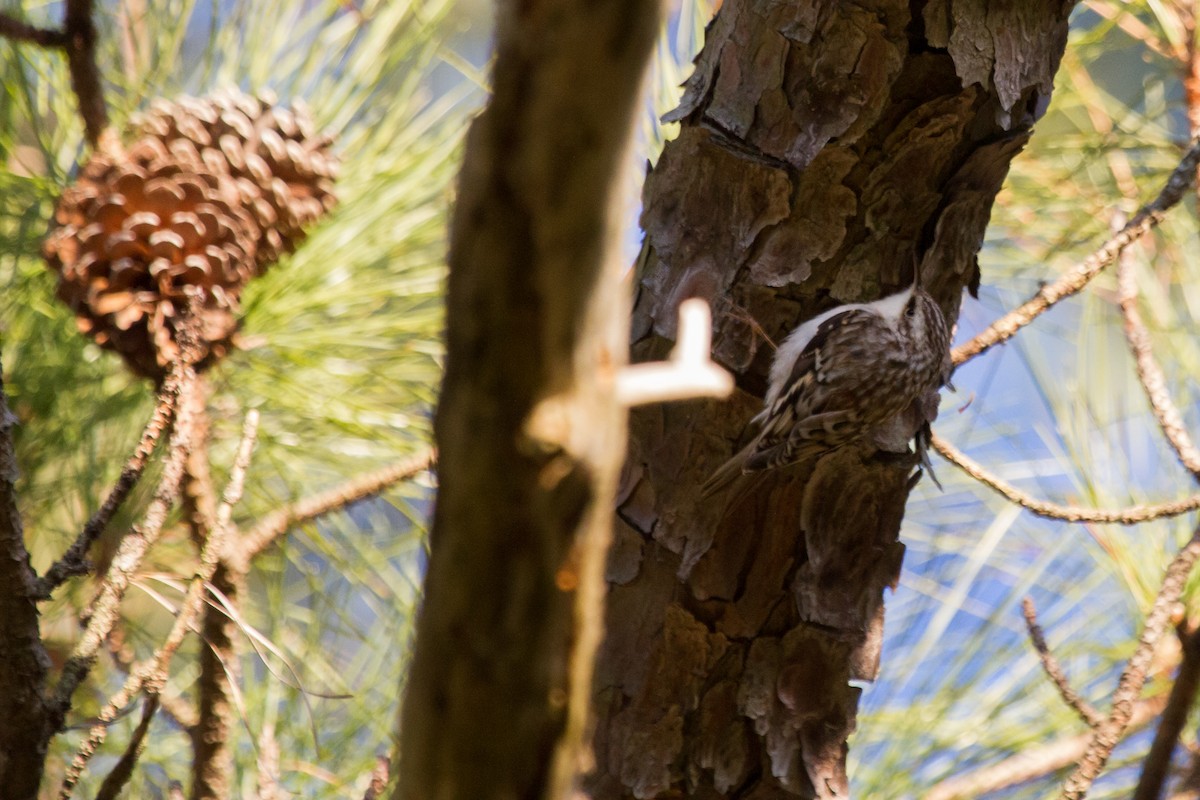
(23, 660)
(825, 147)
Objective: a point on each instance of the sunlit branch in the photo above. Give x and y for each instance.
(74, 560)
(1112, 728)
(1150, 372)
(151, 674)
(1037, 761)
(116, 779)
(1132, 515)
(133, 548)
(275, 524)
(1054, 670)
(1157, 764)
(1073, 281)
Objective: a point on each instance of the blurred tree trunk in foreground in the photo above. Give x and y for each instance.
(529, 432)
(825, 148)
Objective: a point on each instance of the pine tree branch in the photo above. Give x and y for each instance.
(151, 675)
(18, 31)
(1054, 670)
(1106, 735)
(277, 523)
(79, 29)
(132, 550)
(115, 780)
(1037, 761)
(74, 561)
(1150, 373)
(1131, 515)
(174, 706)
(1157, 763)
(1073, 281)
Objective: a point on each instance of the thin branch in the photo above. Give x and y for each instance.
(74, 561)
(1133, 515)
(129, 556)
(1112, 728)
(18, 31)
(151, 675)
(1070, 283)
(279, 522)
(1035, 762)
(1150, 372)
(1054, 670)
(80, 32)
(115, 781)
(174, 706)
(1157, 764)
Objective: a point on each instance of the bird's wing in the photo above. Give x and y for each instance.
(793, 428)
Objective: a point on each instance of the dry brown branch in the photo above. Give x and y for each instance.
(18, 31)
(1070, 283)
(1112, 728)
(115, 781)
(174, 706)
(358, 488)
(80, 42)
(151, 674)
(1131, 515)
(74, 560)
(1036, 762)
(1053, 669)
(1157, 763)
(129, 555)
(1150, 372)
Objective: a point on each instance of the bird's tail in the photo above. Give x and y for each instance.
(727, 473)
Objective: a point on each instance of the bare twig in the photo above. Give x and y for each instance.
(129, 555)
(277, 523)
(1157, 764)
(174, 706)
(1132, 515)
(74, 561)
(80, 34)
(1150, 373)
(151, 675)
(689, 373)
(1112, 728)
(1053, 669)
(1146, 218)
(1035, 762)
(18, 31)
(115, 781)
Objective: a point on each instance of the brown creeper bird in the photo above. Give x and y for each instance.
(839, 375)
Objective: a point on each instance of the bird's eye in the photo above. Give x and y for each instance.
(911, 308)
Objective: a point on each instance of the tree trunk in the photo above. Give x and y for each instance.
(529, 433)
(826, 147)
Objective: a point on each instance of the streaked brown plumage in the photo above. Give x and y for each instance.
(841, 374)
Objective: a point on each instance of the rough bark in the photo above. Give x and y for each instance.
(529, 434)
(826, 147)
(25, 732)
